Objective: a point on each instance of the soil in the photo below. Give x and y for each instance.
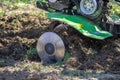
(90, 59)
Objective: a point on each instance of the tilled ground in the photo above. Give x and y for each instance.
(19, 33)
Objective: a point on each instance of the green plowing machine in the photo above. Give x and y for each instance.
(92, 18)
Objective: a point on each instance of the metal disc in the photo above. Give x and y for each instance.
(50, 47)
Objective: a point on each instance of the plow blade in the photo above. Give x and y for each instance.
(84, 26)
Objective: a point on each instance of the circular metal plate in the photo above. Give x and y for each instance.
(56, 41)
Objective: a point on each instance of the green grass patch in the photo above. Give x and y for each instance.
(32, 54)
(115, 8)
(2, 12)
(19, 1)
(66, 57)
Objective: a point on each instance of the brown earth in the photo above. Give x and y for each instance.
(19, 34)
(93, 54)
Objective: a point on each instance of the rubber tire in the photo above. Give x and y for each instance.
(96, 13)
(52, 26)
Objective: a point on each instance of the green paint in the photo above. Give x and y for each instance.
(88, 28)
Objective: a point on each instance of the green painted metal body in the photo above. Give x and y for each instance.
(83, 25)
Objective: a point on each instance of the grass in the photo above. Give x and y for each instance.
(32, 51)
(115, 8)
(66, 57)
(19, 1)
(2, 62)
(2, 12)
(32, 54)
(14, 6)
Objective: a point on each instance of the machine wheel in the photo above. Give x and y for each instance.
(60, 29)
(90, 8)
(53, 25)
(50, 48)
